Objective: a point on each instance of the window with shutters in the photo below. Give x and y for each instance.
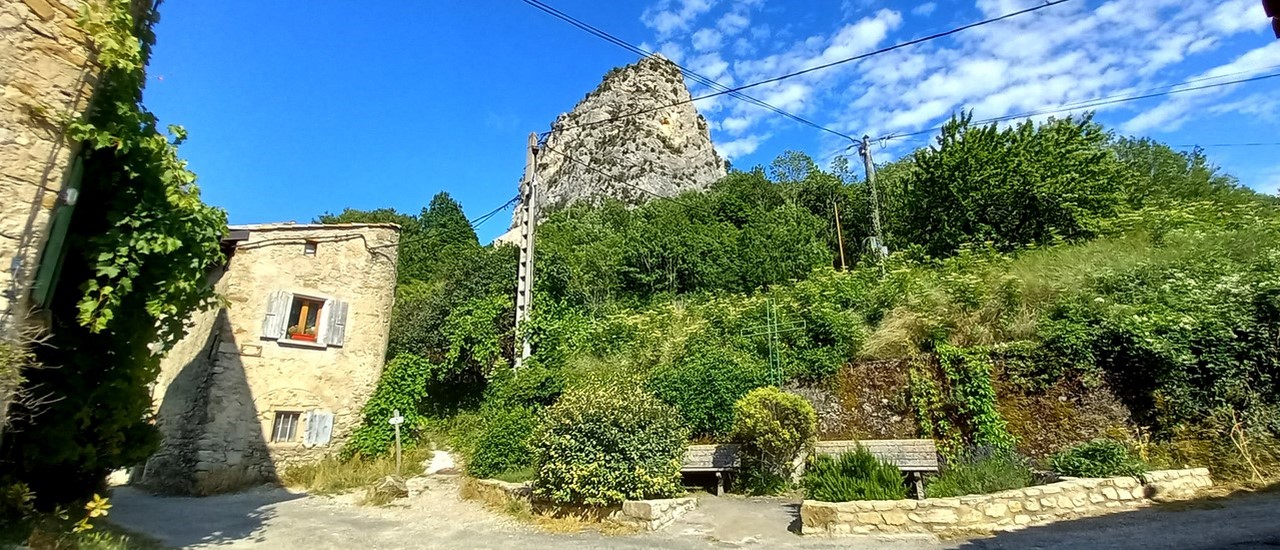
(285, 427)
(304, 319)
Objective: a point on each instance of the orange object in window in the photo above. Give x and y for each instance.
(305, 317)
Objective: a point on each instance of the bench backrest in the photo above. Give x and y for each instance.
(711, 457)
(909, 455)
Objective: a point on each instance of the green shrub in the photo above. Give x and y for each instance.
(774, 427)
(503, 443)
(1098, 458)
(601, 444)
(705, 384)
(856, 475)
(533, 386)
(402, 387)
(980, 474)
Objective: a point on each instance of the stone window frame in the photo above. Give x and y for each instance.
(292, 429)
(330, 332)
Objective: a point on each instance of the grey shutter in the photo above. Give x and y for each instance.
(274, 323)
(324, 427)
(309, 439)
(336, 332)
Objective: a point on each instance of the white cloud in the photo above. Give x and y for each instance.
(924, 10)
(707, 40)
(1062, 55)
(739, 147)
(667, 19)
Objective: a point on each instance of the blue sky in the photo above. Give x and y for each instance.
(296, 108)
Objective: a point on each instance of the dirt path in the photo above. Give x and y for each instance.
(275, 518)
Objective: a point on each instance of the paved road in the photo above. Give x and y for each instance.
(275, 518)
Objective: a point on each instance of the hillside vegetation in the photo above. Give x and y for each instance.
(1050, 284)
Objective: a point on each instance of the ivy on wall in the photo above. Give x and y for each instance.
(955, 401)
(139, 249)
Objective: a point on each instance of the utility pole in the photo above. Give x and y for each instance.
(877, 237)
(839, 235)
(528, 225)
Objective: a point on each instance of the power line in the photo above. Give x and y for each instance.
(829, 65)
(1258, 144)
(1091, 104)
(475, 224)
(701, 79)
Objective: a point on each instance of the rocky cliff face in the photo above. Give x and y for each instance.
(664, 152)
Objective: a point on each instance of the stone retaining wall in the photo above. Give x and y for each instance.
(645, 515)
(1006, 510)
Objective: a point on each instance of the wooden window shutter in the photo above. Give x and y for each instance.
(55, 250)
(274, 323)
(309, 439)
(324, 427)
(336, 331)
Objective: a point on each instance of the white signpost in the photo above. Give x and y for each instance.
(396, 420)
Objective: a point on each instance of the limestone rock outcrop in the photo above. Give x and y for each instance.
(662, 152)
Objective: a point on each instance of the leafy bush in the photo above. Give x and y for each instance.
(979, 473)
(705, 384)
(503, 443)
(856, 475)
(402, 387)
(774, 428)
(1098, 458)
(601, 444)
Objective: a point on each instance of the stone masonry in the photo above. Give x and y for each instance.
(1007, 510)
(228, 393)
(45, 74)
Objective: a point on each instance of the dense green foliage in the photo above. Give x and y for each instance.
(606, 442)
(856, 475)
(504, 443)
(137, 254)
(774, 428)
(1039, 260)
(980, 473)
(403, 388)
(1098, 458)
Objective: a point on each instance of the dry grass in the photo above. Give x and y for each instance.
(330, 475)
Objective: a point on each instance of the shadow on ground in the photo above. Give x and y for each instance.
(184, 521)
(1241, 520)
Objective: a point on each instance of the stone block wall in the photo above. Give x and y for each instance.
(220, 389)
(45, 74)
(1068, 499)
(643, 515)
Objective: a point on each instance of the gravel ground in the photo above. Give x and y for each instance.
(276, 518)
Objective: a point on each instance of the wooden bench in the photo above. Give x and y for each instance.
(717, 459)
(915, 457)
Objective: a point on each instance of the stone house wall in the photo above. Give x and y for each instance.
(45, 73)
(222, 388)
(1068, 499)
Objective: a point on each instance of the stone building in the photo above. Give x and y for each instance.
(279, 374)
(45, 74)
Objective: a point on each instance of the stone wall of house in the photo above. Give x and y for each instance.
(44, 74)
(1068, 499)
(220, 389)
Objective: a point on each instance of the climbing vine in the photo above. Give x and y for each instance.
(161, 238)
(954, 401)
(139, 248)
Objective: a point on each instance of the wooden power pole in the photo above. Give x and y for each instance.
(839, 235)
(528, 225)
(877, 238)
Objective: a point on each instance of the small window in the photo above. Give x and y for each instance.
(285, 427)
(304, 319)
(309, 248)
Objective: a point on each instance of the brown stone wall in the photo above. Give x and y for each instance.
(44, 75)
(220, 389)
(1006, 510)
